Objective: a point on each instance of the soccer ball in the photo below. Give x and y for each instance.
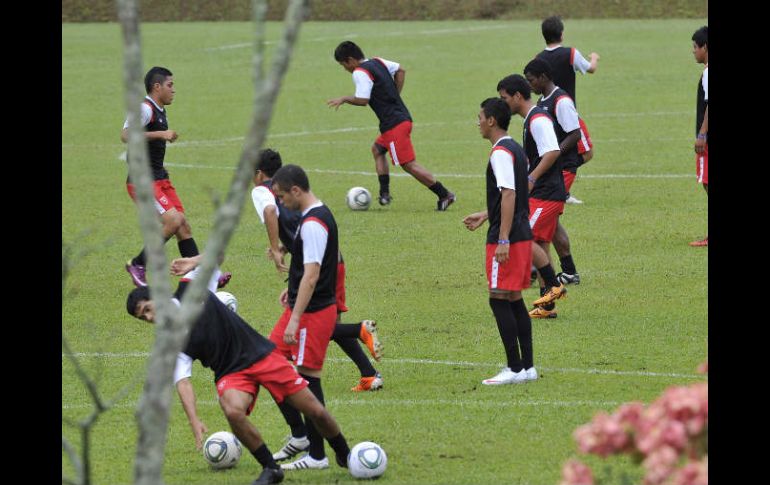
(228, 299)
(367, 460)
(222, 450)
(358, 199)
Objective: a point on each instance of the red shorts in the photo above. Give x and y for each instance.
(341, 288)
(569, 177)
(584, 144)
(315, 331)
(165, 196)
(398, 142)
(274, 372)
(514, 274)
(543, 216)
(702, 166)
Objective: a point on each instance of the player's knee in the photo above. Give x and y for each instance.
(232, 412)
(376, 152)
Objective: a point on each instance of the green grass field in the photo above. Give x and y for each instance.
(635, 325)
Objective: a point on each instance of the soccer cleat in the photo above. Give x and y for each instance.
(531, 374)
(573, 200)
(137, 273)
(384, 199)
(307, 462)
(442, 204)
(368, 335)
(506, 376)
(553, 294)
(269, 476)
(292, 447)
(224, 278)
(373, 383)
(568, 279)
(540, 312)
(701, 243)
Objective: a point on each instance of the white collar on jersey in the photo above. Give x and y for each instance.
(317, 204)
(501, 139)
(153, 102)
(552, 48)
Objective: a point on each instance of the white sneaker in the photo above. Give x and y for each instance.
(506, 376)
(531, 374)
(305, 463)
(572, 200)
(292, 447)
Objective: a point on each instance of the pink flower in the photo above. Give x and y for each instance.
(603, 436)
(575, 472)
(693, 473)
(660, 465)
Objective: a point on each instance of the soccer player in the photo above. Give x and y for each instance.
(700, 49)
(303, 331)
(378, 84)
(546, 187)
(281, 224)
(560, 106)
(159, 85)
(565, 62)
(509, 242)
(242, 360)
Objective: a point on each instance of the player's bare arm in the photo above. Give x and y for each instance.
(475, 220)
(569, 141)
(275, 252)
(507, 206)
(399, 78)
(549, 158)
(306, 288)
(187, 396)
(700, 140)
(168, 135)
(594, 62)
(337, 102)
(181, 266)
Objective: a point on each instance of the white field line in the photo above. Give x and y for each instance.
(447, 175)
(127, 355)
(352, 36)
(408, 402)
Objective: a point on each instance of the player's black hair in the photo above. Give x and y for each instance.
(141, 293)
(552, 29)
(538, 67)
(701, 36)
(290, 175)
(269, 161)
(498, 109)
(348, 49)
(515, 83)
(155, 75)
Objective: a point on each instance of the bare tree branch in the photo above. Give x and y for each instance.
(172, 327)
(76, 463)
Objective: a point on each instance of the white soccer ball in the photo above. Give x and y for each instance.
(222, 450)
(367, 460)
(358, 199)
(228, 299)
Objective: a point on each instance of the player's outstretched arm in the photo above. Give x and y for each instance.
(337, 102)
(475, 220)
(187, 396)
(399, 78)
(181, 266)
(594, 62)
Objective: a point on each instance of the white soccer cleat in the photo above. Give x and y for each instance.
(531, 374)
(573, 200)
(292, 447)
(307, 462)
(506, 376)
